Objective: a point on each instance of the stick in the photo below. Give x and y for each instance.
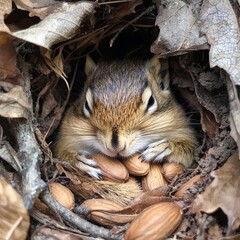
(29, 152)
(76, 221)
(9, 155)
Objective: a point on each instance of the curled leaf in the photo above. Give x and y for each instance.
(58, 26)
(14, 104)
(5, 8)
(223, 193)
(187, 35)
(14, 218)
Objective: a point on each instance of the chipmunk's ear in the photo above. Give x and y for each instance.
(159, 69)
(89, 65)
(154, 65)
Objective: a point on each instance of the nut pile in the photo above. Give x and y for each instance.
(151, 175)
(155, 220)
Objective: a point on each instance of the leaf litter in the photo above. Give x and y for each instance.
(223, 193)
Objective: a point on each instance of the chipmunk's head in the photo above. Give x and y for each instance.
(123, 100)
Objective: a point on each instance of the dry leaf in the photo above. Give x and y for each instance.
(48, 233)
(8, 71)
(208, 122)
(49, 105)
(14, 104)
(38, 8)
(223, 193)
(186, 35)
(5, 8)
(58, 26)
(14, 219)
(220, 25)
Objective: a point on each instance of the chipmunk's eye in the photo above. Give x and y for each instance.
(151, 105)
(150, 102)
(87, 107)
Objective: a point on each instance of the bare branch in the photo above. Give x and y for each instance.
(30, 154)
(76, 221)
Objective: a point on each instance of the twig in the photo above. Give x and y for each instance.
(120, 1)
(9, 155)
(129, 23)
(1, 134)
(76, 221)
(29, 153)
(50, 222)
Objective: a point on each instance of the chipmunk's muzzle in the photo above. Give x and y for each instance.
(115, 147)
(119, 143)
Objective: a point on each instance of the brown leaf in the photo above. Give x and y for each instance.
(14, 104)
(208, 122)
(8, 70)
(14, 219)
(223, 193)
(49, 105)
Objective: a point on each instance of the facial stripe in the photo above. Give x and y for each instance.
(114, 137)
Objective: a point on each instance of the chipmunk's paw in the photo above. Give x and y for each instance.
(157, 151)
(86, 164)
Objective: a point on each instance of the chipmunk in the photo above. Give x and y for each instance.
(126, 107)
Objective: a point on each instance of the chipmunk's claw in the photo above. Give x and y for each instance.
(88, 165)
(157, 151)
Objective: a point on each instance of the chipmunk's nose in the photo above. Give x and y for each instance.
(116, 150)
(115, 138)
(114, 146)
